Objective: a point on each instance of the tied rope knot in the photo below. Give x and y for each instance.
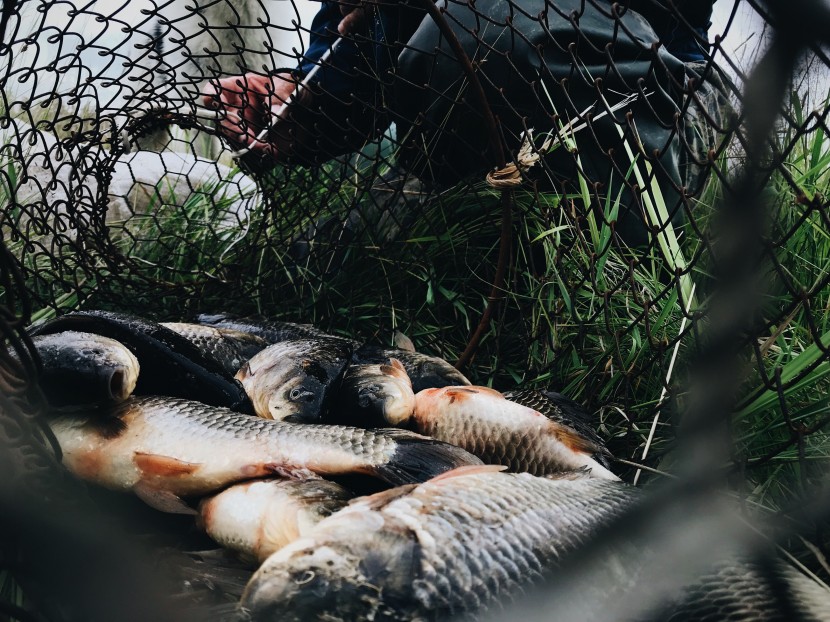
(511, 175)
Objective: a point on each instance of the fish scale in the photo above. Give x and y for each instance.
(508, 551)
(501, 431)
(474, 537)
(230, 348)
(417, 553)
(189, 448)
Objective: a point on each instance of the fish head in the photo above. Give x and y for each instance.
(300, 400)
(302, 580)
(353, 578)
(391, 396)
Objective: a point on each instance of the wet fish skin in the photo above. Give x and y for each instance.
(472, 540)
(293, 380)
(177, 447)
(83, 369)
(452, 545)
(374, 395)
(499, 431)
(230, 348)
(258, 518)
(272, 331)
(170, 364)
(565, 411)
(424, 371)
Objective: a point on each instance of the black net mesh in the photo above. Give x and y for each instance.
(527, 187)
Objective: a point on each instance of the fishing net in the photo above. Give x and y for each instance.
(538, 190)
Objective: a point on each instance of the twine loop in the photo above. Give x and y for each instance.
(512, 175)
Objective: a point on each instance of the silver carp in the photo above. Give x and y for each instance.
(471, 541)
(257, 518)
(230, 348)
(83, 369)
(374, 395)
(292, 380)
(170, 364)
(272, 331)
(163, 448)
(454, 544)
(424, 371)
(499, 431)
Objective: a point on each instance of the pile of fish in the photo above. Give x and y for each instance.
(366, 483)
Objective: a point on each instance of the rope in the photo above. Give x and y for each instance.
(512, 175)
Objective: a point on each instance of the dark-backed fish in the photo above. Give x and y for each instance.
(373, 395)
(82, 369)
(257, 518)
(230, 348)
(499, 431)
(293, 380)
(474, 540)
(271, 331)
(163, 448)
(455, 544)
(424, 371)
(170, 364)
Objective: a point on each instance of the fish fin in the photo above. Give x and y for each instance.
(154, 465)
(290, 472)
(418, 458)
(109, 427)
(574, 475)
(162, 500)
(402, 342)
(382, 498)
(244, 372)
(456, 394)
(395, 368)
(471, 469)
(563, 411)
(574, 440)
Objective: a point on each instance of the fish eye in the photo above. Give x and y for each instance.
(307, 576)
(299, 394)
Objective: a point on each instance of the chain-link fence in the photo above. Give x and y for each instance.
(607, 199)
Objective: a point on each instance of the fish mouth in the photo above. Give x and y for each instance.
(121, 384)
(118, 385)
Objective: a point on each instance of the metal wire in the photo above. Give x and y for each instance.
(664, 254)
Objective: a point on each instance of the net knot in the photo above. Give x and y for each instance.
(512, 174)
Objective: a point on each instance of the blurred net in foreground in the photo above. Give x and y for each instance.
(588, 269)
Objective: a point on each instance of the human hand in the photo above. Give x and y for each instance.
(250, 103)
(354, 17)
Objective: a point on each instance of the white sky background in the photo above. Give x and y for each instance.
(741, 42)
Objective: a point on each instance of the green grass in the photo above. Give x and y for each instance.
(582, 313)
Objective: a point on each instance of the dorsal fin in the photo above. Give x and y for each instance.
(402, 342)
(472, 469)
(395, 368)
(380, 499)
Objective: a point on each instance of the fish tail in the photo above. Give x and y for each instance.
(418, 459)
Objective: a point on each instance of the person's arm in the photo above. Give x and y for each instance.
(669, 23)
(250, 101)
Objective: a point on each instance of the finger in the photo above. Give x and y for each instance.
(211, 94)
(353, 22)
